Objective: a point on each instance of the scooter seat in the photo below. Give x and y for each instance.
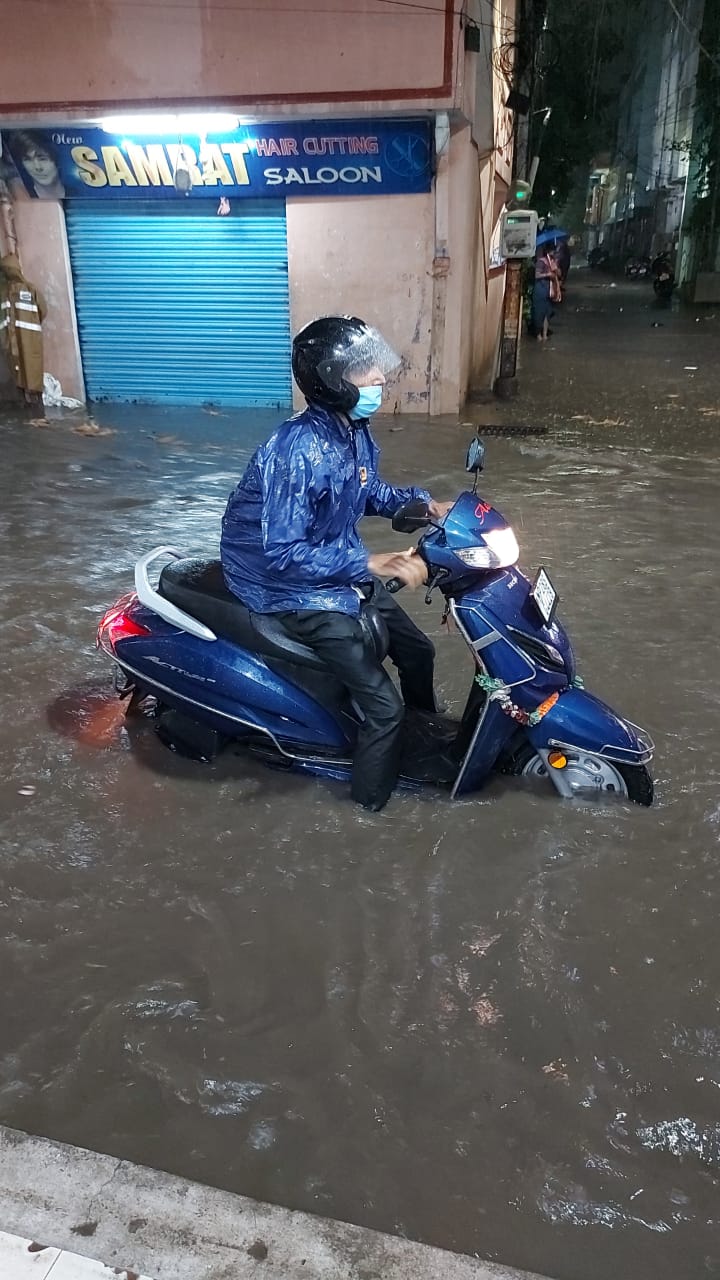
(198, 588)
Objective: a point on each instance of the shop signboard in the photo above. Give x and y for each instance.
(308, 158)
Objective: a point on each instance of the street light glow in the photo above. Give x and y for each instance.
(171, 125)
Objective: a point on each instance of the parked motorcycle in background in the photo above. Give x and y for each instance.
(637, 268)
(598, 258)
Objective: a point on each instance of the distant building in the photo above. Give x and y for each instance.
(641, 200)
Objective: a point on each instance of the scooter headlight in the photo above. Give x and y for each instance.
(500, 551)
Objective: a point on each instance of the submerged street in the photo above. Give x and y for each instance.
(490, 1025)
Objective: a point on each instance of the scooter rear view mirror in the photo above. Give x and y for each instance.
(475, 461)
(412, 516)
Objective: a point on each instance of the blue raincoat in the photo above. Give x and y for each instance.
(289, 533)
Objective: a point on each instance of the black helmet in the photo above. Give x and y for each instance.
(327, 350)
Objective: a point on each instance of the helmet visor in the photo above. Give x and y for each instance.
(367, 353)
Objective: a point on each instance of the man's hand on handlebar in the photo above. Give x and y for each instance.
(438, 510)
(408, 566)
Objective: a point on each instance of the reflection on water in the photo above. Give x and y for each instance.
(91, 715)
(492, 1025)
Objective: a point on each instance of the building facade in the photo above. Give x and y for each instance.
(643, 197)
(191, 183)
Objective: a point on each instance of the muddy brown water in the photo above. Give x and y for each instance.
(493, 1025)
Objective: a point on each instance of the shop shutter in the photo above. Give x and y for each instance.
(182, 309)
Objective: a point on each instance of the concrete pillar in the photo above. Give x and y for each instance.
(45, 259)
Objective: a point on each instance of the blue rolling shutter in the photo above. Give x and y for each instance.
(176, 309)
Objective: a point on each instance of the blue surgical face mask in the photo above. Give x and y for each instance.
(369, 401)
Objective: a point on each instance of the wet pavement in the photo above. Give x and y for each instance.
(493, 1026)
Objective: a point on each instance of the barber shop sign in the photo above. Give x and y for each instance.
(367, 157)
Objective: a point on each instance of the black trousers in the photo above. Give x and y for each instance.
(341, 643)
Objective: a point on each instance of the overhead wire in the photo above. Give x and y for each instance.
(662, 110)
(666, 105)
(270, 8)
(660, 121)
(668, 110)
(638, 168)
(504, 125)
(595, 58)
(684, 23)
(420, 7)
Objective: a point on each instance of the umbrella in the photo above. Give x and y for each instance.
(552, 233)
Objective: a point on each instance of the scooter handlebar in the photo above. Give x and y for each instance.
(396, 584)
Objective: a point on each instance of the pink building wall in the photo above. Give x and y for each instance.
(480, 184)
(464, 236)
(368, 257)
(43, 251)
(108, 53)
(489, 281)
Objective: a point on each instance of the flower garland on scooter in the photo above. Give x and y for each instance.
(499, 692)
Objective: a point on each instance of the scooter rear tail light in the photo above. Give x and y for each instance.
(116, 624)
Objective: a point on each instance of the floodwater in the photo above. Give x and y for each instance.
(493, 1025)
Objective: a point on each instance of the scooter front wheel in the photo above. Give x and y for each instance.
(587, 773)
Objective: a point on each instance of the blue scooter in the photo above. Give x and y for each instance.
(222, 676)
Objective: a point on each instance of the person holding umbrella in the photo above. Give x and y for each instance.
(559, 242)
(546, 289)
(562, 256)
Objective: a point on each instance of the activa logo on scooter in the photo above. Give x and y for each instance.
(222, 675)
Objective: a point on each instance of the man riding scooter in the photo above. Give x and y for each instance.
(290, 544)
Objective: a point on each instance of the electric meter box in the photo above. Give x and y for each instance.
(518, 233)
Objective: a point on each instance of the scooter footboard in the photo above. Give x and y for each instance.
(584, 723)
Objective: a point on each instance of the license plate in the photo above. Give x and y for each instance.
(545, 596)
